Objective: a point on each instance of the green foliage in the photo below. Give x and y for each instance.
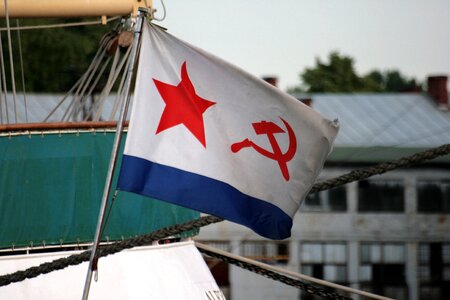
(338, 75)
(53, 59)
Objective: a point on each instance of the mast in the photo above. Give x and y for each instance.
(115, 151)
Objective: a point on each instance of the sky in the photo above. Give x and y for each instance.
(282, 38)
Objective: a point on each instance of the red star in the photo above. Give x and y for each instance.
(183, 106)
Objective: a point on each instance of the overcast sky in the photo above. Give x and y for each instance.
(283, 37)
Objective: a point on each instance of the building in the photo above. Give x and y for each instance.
(388, 234)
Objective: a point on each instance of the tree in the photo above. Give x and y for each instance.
(53, 59)
(339, 76)
(336, 76)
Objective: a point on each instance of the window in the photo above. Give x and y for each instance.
(380, 196)
(382, 269)
(324, 260)
(333, 200)
(433, 196)
(222, 245)
(267, 252)
(434, 270)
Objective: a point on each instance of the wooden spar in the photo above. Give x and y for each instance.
(71, 8)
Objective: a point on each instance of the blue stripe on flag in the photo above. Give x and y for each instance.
(203, 194)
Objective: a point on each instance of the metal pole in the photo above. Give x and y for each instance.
(115, 150)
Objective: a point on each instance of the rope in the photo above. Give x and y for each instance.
(361, 174)
(79, 84)
(91, 89)
(114, 73)
(60, 25)
(308, 288)
(19, 41)
(65, 97)
(11, 63)
(206, 220)
(106, 250)
(1, 106)
(97, 104)
(276, 273)
(4, 87)
(82, 97)
(74, 106)
(118, 98)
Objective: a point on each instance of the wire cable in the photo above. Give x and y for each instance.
(164, 11)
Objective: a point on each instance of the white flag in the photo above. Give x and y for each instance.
(206, 135)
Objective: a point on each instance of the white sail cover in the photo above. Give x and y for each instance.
(174, 271)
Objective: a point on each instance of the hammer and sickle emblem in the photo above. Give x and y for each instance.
(270, 129)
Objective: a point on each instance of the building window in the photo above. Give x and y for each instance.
(382, 269)
(433, 196)
(267, 252)
(434, 270)
(326, 261)
(381, 196)
(333, 200)
(222, 245)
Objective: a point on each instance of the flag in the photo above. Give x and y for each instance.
(206, 135)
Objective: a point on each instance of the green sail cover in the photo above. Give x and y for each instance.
(51, 187)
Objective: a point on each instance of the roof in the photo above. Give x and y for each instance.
(383, 126)
(40, 105)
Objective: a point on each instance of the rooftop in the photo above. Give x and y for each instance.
(377, 127)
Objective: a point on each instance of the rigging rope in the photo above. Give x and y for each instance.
(282, 275)
(1, 107)
(86, 78)
(114, 73)
(381, 168)
(207, 220)
(308, 288)
(78, 84)
(105, 92)
(80, 98)
(5, 88)
(11, 63)
(19, 40)
(65, 97)
(105, 250)
(118, 97)
(89, 93)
